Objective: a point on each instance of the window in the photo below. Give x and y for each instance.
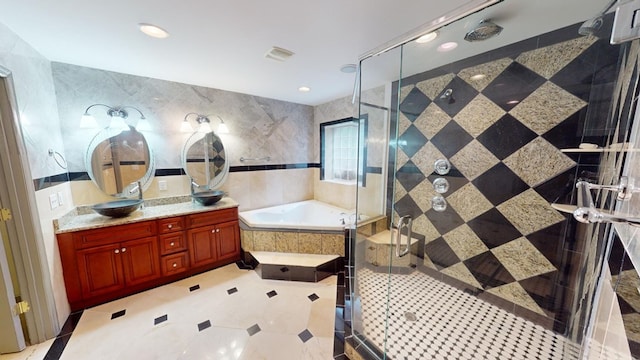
(341, 157)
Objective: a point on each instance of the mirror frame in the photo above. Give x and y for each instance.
(217, 181)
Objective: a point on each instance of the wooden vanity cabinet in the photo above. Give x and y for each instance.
(104, 264)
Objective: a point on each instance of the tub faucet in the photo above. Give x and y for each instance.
(342, 222)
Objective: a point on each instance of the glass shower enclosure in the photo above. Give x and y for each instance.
(472, 155)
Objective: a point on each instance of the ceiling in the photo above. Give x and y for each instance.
(221, 44)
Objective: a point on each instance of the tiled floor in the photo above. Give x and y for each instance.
(432, 320)
(227, 313)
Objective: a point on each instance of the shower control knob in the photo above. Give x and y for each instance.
(442, 166)
(438, 203)
(441, 185)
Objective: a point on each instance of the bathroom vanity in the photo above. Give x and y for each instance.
(105, 259)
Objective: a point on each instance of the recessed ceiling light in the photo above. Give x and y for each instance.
(478, 77)
(304, 89)
(153, 31)
(348, 68)
(427, 37)
(448, 46)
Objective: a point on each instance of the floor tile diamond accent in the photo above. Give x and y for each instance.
(313, 297)
(515, 293)
(426, 157)
(464, 242)
(529, 212)
(538, 161)
(459, 271)
(232, 291)
(411, 141)
(422, 195)
(204, 325)
(272, 293)
(479, 115)
(488, 270)
(253, 330)
(522, 259)
(433, 87)
(118, 314)
(451, 139)
(548, 60)
(547, 107)
(414, 104)
(473, 160)
(160, 319)
(432, 120)
(506, 136)
(305, 336)
(513, 85)
(490, 70)
(194, 288)
(469, 202)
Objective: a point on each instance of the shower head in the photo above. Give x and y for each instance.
(448, 95)
(591, 26)
(485, 30)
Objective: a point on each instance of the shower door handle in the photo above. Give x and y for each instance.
(404, 221)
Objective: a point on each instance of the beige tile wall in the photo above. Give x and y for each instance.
(292, 242)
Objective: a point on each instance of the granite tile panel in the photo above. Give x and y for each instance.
(506, 136)
(464, 242)
(440, 253)
(405, 90)
(451, 139)
(407, 206)
(310, 243)
(403, 123)
(422, 195)
(478, 115)
(538, 161)
(488, 270)
(423, 226)
(459, 271)
(264, 241)
(493, 228)
(529, 212)
(628, 284)
(499, 184)
(409, 175)
(461, 96)
(333, 244)
(473, 160)
(246, 240)
(469, 202)
(287, 242)
(512, 86)
(444, 221)
(517, 295)
(490, 70)
(522, 259)
(433, 87)
(426, 157)
(547, 107)
(414, 104)
(411, 141)
(548, 60)
(432, 120)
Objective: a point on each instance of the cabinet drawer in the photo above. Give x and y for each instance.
(175, 264)
(171, 243)
(113, 234)
(212, 217)
(170, 225)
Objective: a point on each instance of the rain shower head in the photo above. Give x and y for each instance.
(485, 30)
(591, 26)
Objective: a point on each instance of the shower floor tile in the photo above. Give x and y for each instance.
(429, 319)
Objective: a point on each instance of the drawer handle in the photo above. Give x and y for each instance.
(172, 244)
(124, 249)
(175, 265)
(170, 226)
(116, 251)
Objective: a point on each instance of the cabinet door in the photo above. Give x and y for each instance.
(202, 246)
(228, 240)
(100, 270)
(140, 260)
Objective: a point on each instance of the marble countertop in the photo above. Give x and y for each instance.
(78, 219)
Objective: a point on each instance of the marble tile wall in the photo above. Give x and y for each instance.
(503, 136)
(258, 126)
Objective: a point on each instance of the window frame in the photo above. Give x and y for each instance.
(361, 167)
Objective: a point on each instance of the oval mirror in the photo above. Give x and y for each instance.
(204, 159)
(116, 161)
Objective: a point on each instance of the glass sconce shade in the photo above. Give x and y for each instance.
(88, 122)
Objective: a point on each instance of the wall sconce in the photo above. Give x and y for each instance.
(117, 115)
(204, 124)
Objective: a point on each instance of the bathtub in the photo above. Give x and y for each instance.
(305, 215)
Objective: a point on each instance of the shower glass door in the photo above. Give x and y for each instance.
(486, 143)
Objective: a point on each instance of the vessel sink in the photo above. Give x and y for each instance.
(208, 197)
(118, 208)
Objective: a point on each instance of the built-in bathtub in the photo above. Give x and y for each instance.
(306, 227)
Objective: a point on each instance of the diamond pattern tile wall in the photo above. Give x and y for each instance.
(498, 130)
